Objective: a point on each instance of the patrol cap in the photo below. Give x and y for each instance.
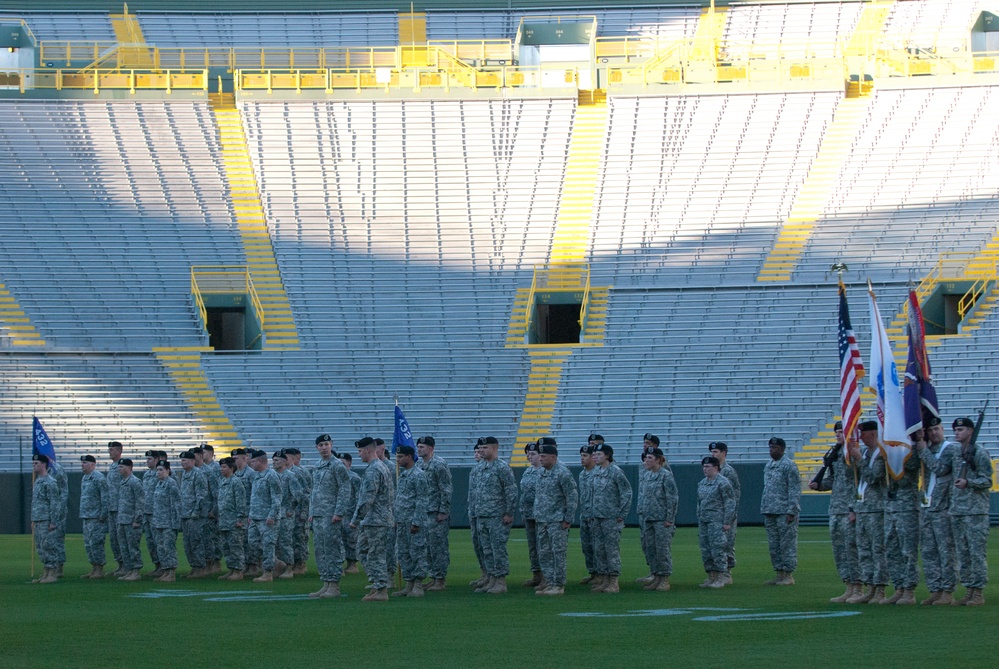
(718, 446)
(595, 437)
(151, 453)
(228, 462)
(257, 454)
(712, 460)
(165, 464)
(126, 461)
(364, 442)
(774, 441)
(38, 457)
(531, 447)
(292, 451)
(187, 455)
(88, 458)
(964, 422)
(838, 425)
(115, 444)
(280, 454)
(868, 425)
(406, 450)
(429, 441)
(548, 449)
(651, 438)
(547, 441)
(605, 449)
(323, 437)
(933, 421)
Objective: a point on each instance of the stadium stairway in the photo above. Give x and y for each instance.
(184, 368)
(864, 40)
(814, 193)
(547, 364)
(15, 324)
(709, 34)
(412, 28)
(278, 321)
(132, 50)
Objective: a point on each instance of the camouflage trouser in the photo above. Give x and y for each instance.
(843, 535)
(150, 532)
(61, 541)
(493, 537)
(412, 552)
(349, 536)
(194, 541)
(711, 538)
(657, 544)
(391, 555)
(782, 538)
(372, 542)
(284, 550)
(210, 540)
(247, 550)
(531, 529)
(936, 539)
(553, 543)
(233, 549)
(165, 539)
(113, 531)
(262, 542)
(606, 534)
(129, 541)
(476, 544)
(730, 545)
(971, 537)
(94, 531)
(45, 544)
(300, 538)
(438, 545)
(902, 548)
(586, 543)
(871, 549)
(328, 539)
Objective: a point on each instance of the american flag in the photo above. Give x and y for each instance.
(851, 368)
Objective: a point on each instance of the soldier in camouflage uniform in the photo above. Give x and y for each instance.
(936, 536)
(94, 513)
(715, 515)
(585, 485)
(649, 442)
(166, 521)
(555, 500)
(528, 485)
(148, 486)
(902, 531)
(58, 473)
(969, 511)
(439, 512)
(412, 499)
(212, 542)
(841, 477)
(719, 449)
(265, 513)
(291, 496)
(350, 533)
(495, 506)
(869, 504)
(391, 554)
(330, 503)
(194, 507)
(658, 500)
(300, 533)
(780, 507)
(114, 485)
(373, 516)
(246, 474)
(611, 503)
(131, 511)
(232, 519)
(472, 525)
(46, 511)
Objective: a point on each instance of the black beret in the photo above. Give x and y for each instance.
(38, 457)
(586, 449)
(868, 425)
(207, 447)
(712, 460)
(126, 461)
(88, 458)
(197, 449)
(323, 437)
(379, 441)
(346, 456)
(595, 437)
(292, 451)
(187, 455)
(238, 451)
(151, 454)
(933, 421)
(257, 454)
(548, 449)
(718, 446)
(228, 462)
(364, 442)
(165, 464)
(280, 454)
(605, 449)
(774, 441)
(429, 441)
(656, 452)
(116, 444)
(531, 447)
(838, 425)
(406, 450)
(547, 441)
(964, 422)
(651, 438)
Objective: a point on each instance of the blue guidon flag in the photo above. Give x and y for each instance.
(919, 395)
(403, 436)
(40, 443)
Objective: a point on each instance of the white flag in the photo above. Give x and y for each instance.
(892, 435)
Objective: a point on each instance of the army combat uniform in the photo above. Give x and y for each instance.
(611, 500)
(350, 533)
(166, 521)
(265, 505)
(555, 502)
(373, 517)
(715, 509)
(781, 498)
(331, 496)
(46, 511)
(658, 500)
(528, 486)
(131, 512)
(495, 497)
(412, 499)
(936, 536)
(113, 478)
(969, 513)
(841, 479)
(902, 528)
(232, 509)
(586, 519)
(94, 513)
(195, 504)
(728, 471)
(440, 489)
(869, 506)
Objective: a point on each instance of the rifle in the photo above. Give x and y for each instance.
(968, 453)
(827, 461)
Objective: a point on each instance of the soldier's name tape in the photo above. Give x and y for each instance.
(719, 614)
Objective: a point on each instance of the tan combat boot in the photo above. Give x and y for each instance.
(376, 595)
(533, 581)
(588, 580)
(787, 580)
(237, 575)
(977, 598)
(98, 571)
(300, 569)
(49, 576)
(645, 580)
(280, 568)
(120, 571)
(611, 584)
(908, 598)
(541, 587)
(707, 582)
(488, 583)
(226, 576)
(863, 595)
(90, 574)
(417, 590)
(653, 585)
(351, 567)
(332, 592)
(133, 575)
(477, 583)
(845, 596)
(552, 591)
(319, 593)
(498, 587)
(58, 571)
(404, 591)
(964, 600)
(946, 599)
(437, 586)
(778, 576)
(897, 595)
(934, 596)
(266, 577)
(878, 595)
(599, 583)
(726, 578)
(716, 581)
(664, 585)
(168, 576)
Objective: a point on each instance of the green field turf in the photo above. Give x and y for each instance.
(77, 623)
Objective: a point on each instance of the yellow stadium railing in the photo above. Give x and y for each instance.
(415, 78)
(223, 280)
(99, 80)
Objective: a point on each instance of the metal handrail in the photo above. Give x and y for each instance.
(978, 288)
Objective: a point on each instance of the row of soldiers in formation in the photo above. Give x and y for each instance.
(938, 507)
(258, 517)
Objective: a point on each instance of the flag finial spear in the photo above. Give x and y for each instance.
(395, 396)
(839, 268)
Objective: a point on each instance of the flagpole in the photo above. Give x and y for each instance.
(398, 566)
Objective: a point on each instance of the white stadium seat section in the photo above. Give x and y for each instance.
(69, 27)
(817, 30)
